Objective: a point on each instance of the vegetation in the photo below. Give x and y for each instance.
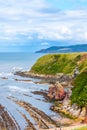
(67, 115)
(82, 128)
(79, 92)
(60, 63)
(66, 63)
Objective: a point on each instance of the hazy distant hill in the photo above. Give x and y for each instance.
(64, 49)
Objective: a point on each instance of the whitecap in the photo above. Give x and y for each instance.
(4, 74)
(15, 69)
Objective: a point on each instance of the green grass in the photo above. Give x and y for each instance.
(82, 128)
(67, 115)
(66, 63)
(79, 92)
(59, 63)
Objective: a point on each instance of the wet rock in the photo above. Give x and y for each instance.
(4, 78)
(7, 122)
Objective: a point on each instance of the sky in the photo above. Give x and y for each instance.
(30, 25)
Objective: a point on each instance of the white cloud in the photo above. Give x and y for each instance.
(30, 37)
(44, 43)
(26, 18)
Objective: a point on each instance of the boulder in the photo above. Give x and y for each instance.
(56, 91)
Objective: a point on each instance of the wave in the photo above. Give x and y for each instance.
(4, 74)
(15, 69)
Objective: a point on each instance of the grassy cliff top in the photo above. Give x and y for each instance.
(66, 63)
(60, 63)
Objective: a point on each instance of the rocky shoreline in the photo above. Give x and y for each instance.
(60, 97)
(47, 78)
(7, 122)
(71, 115)
(41, 120)
(62, 102)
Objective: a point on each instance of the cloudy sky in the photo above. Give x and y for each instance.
(29, 25)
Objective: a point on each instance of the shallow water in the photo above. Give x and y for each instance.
(20, 90)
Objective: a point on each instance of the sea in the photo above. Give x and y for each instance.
(10, 87)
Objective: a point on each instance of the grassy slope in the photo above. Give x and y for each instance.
(59, 63)
(82, 128)
(65, 63)
(79, 92)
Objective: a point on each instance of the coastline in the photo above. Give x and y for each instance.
(47, 78)
(65, 80)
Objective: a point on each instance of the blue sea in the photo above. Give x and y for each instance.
(8, 61)
(9, 87)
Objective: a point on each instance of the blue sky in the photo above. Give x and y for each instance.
(29, 25)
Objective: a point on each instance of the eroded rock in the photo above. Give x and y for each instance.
(56, 91)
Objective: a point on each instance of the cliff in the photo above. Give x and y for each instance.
(60, 63)
(73, 64)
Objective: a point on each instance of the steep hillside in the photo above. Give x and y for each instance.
(60, 63)
(79, 92)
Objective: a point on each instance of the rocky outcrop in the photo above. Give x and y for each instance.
(83, 113)
(7, 122)
(47, 78)
(70, 111)
(56, 91)
(75, 72)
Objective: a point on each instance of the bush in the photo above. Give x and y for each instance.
(79, 92)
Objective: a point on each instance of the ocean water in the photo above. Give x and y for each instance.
(8, 61)
(9, 87)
